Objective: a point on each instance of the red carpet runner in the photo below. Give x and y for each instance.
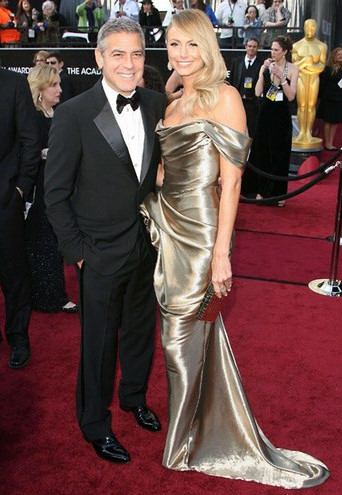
(287, 342)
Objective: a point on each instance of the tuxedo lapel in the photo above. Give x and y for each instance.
(110, 130)
(149, 126)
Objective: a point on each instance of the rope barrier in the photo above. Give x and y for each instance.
(321, 168)
(275, 199)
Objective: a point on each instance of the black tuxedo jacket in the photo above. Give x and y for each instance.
(92, 192)
(67, 86)
(19, 136)
(237, 69)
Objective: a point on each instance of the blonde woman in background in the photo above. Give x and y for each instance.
(48, 284)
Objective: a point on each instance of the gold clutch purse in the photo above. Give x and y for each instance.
(210, 306)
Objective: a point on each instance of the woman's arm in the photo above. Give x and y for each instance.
(160, 175)
(290, 89)
(230, 112)
(259, 87)
(171, 85)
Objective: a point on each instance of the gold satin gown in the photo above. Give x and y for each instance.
(211, 427)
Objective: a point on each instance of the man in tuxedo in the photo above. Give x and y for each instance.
(102, 162)
(244, 74)
(19, 161)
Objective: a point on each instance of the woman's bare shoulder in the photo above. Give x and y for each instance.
(229, 109)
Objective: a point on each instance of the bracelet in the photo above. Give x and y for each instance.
(282, 84)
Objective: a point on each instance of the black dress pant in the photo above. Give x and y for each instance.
(117, 315)
(15, 277)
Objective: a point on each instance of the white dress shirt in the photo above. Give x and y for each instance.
(168, 16)
(131, 126)
(130, 7)
(247, 60)
(228, 9)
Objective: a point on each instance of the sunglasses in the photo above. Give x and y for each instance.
(52, 62)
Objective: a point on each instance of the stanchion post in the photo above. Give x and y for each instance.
(332, 287)
(337, 230)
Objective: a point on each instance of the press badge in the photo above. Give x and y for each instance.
(272, 92)
(280, 96)
(248, 83)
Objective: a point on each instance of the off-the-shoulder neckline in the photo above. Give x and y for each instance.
(192, 121)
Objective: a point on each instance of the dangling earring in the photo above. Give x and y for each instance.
(169, 66)
(40, 97)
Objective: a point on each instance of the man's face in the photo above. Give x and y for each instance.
(53, 61)
(4, 3)
(252, 48)
(122, 62)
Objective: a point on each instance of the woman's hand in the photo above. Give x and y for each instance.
(266, 64)
(277, 71)
(222, 277)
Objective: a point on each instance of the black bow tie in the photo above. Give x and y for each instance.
(121, 102)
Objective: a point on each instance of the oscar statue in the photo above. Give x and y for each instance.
(309, 54)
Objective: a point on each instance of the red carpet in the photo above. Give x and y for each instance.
(287, 342)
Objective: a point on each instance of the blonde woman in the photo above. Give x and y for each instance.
(330, 106)
(211, 427)
(48, 285)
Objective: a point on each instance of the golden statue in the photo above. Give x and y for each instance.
(309, 54)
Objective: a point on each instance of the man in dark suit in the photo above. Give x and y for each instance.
(19, 161)
(243, 76)
(102, 161)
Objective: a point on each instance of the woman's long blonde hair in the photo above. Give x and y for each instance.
(333, 60)
(40, 78)
(208, 80)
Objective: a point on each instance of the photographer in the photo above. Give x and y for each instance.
(175, 9)
(231, 13)
(8, 31)
(149, 19)
(252, 24)
(276, 18)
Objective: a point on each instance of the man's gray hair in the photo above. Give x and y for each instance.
(120, 25)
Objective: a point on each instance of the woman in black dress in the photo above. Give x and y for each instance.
(330, 106)
(48, 285)
(271, 148)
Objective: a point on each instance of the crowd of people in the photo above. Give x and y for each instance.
(136, 191)
(239, 20)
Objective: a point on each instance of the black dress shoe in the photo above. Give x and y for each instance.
(145, 417)
(20, 356)
(110, 449)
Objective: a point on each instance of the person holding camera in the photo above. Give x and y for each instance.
(126, 8)
(276, 18)
(230, 13)
(177, 6)
(252, 24)
(8, 31)
(271, 148)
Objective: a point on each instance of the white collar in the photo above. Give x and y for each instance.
(249, 59)
(111, 94)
